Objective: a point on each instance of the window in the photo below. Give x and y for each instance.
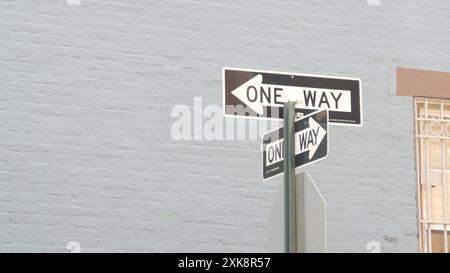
(432, 119)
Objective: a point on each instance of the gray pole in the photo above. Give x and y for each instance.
(290, 214)
(300, 198)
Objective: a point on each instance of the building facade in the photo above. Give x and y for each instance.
(112, 136)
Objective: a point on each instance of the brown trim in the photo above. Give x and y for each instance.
(423, 83)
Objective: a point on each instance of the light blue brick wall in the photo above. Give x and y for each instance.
(86, 94)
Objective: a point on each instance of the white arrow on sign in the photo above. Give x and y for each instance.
(255, 95)
(308, 139)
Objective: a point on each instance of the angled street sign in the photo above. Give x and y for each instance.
(311, 144)
(261, 94)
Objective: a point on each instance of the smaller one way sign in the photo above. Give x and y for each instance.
(311, 144)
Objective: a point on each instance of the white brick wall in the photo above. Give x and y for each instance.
(86, 94)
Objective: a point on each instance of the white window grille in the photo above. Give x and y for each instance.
(432, 117)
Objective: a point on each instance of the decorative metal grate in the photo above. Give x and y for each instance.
(432, 118)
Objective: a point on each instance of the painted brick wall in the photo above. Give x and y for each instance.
(86, 94)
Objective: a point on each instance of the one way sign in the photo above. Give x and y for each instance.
(261, 94)
(311, 144)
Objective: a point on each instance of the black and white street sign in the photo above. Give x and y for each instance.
(311, 144)
(261, 94)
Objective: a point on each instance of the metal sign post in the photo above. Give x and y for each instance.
(290, 213)
(298, 143)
